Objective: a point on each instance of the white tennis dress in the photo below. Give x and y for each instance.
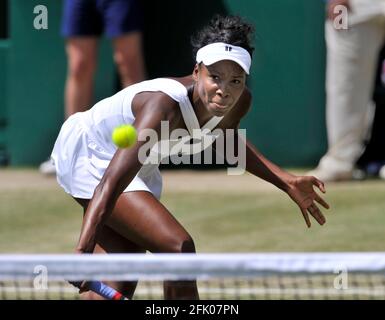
(84, 148)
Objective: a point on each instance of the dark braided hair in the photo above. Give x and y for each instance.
(228, 29)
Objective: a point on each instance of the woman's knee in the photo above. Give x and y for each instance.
(180, 245)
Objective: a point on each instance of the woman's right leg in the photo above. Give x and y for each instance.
(141, 219)
(112, 242)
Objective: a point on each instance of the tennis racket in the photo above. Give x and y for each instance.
(101, 289)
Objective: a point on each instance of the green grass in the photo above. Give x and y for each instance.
(38, 221)
(44, 219)
(271, 222)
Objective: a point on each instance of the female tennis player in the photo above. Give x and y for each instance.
(120, 195)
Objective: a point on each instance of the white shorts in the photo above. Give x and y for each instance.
(80, 163)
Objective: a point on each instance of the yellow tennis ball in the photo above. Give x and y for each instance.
(124, 136)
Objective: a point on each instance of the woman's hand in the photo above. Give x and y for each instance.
(81, 285)
(301, 191)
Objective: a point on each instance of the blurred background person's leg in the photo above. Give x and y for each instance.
(351, 67)
(123, 24)
(81, 57)
(128, 57)
(82, 25)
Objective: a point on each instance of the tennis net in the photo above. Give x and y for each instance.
(219, 276)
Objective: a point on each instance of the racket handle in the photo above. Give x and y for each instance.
(105, 291)
(101, 289)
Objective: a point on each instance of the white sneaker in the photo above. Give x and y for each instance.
(330, 175)
(47, 167)
(381, 174)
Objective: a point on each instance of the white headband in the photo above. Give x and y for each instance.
(218, 51)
